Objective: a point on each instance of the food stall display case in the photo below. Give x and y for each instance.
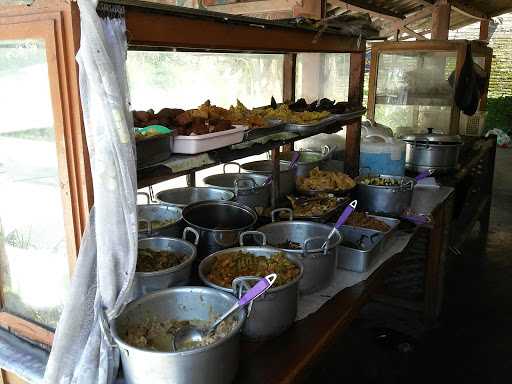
(411, 83)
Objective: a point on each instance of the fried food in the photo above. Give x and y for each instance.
(381, 181)
(362, 220)
(228, 266)
(325, 181)
(312, 206)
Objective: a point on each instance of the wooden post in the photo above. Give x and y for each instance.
(355, 96)
(484, 30)
(441, 20)
(276, 173)
(289, 65)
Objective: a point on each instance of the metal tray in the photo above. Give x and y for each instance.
(359, 260)
(329, 215)
(256, 133)
(392, 223)
(318, 125)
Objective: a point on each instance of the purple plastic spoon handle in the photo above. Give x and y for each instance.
(295, 158)
(424, 175)
(267, 180)
(257, 290)
(345, 214)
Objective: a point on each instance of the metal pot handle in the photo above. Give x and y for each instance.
(237, 182)
(192, 230)
(232, 163)
(149, 227)
(146, 195)
(258, 233)
(273, 213)
(240, 285)
(325, 151)
(306, 249)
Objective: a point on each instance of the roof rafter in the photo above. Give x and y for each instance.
(372, 10)
(255, 7)
(420, 15)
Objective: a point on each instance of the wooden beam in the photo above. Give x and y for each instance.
(289, 73)
(412, 33)
(311, 9)
(484, 30)
(468, 11)
(441, 20)
(372, 10)
(255, 7)
(26, 328)
(420, 15)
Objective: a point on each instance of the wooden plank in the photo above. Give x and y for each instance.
(366, 7)
(166, 30)
(484, 30)
(11, 378)
(311, 9)
(412, 33)
(441, 20)
(255, 7)
(372, 82)
(289, 74)
(26, 328)
(355, 96)
(420, 15)
(468, 10)
(276, 177)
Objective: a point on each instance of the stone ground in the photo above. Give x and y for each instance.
(473, 344)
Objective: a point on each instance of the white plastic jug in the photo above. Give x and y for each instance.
(385, 156)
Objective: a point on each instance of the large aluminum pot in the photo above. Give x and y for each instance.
(216, 363)
(219, 224)
(385, 199)
(274, 311)
(146, 282)
(250, 189)
(308, 159)
(181, 197)
(432, 151)
(264, 167)
(319, 264)
(149, 214)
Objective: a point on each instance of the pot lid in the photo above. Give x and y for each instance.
(431, 136)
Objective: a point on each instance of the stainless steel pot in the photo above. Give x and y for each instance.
(385, 199)
(216, 363)
(150, 213)
(308, 159)
(319, 264)
(264, 167)
(181, 197)
(432, 151)
(219, 224)
(146, 282)
(273, 312)
(249, 188)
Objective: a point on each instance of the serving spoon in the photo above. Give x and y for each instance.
(295, 158)
(191, 335)
(343, 217)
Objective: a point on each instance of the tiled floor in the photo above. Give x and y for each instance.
(473, 343)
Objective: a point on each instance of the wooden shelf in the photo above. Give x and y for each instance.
(180, 165)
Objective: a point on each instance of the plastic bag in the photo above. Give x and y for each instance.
(503, 140)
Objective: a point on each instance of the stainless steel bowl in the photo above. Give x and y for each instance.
(147, 213)
(308, 159)
(216, 363)
(273, 312)
(147, 282)
(219, 224)
(319, 264)
(265, 167)
(181, 197)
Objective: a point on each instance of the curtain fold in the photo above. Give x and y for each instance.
(82, 352)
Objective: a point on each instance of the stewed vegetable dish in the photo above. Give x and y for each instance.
(149, 260)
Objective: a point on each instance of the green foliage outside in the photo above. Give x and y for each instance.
(499, 113)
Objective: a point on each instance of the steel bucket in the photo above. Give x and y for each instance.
(273, 312)
(319, 265)
(147, 282)
(216, 363)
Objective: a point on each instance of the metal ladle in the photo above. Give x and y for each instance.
(343, 217)
(190, 335)
(295, 158)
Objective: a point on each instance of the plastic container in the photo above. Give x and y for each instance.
(191, 145)
(384, 156)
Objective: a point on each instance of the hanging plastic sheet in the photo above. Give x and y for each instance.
(82, 351)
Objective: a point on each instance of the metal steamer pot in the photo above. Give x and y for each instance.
(432, 151)
(385, 199)
(319, 264)
(181, 197)
(150, 213)
(219, 224)
(308, 159)
(216, 363)
(273, 312)
(146, 282)
(249, 189)
(264, 167)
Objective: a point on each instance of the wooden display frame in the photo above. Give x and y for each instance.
(458, 46)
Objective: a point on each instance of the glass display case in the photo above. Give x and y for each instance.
(412, 83)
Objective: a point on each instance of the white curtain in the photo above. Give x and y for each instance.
(82, 352)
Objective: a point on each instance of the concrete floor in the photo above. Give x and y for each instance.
(474, 341)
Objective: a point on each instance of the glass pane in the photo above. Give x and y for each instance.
(33, 257)
(186, 79)
(414, 90)
(322, 75)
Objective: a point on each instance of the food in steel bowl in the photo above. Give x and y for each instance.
(288, 244)
(381, 181)
(149, 260)
(313, 206)
(157, 335)
(325, 181)
(362, 220)
(155, 224)
(228, 266)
